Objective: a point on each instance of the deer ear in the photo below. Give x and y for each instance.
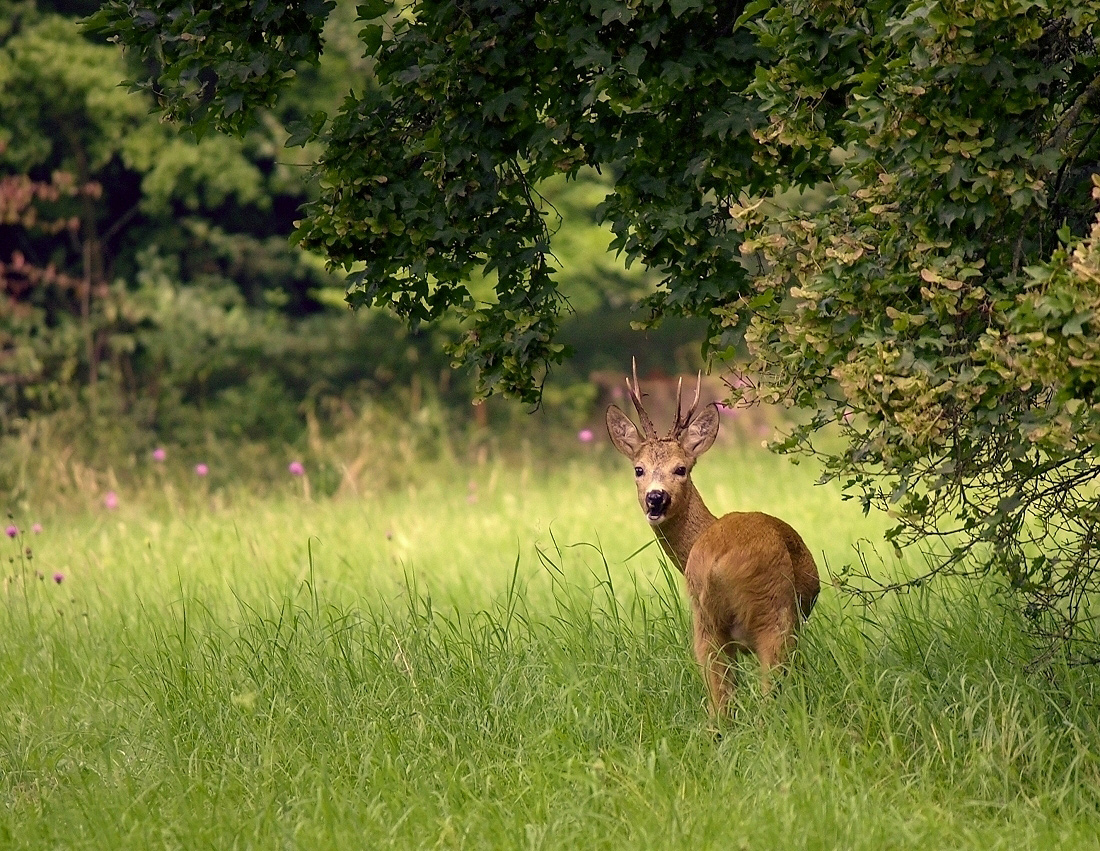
(623, 433)
(700, 433)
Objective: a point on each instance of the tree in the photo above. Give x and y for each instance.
(922, 306)
(69, 138)
(888, 202)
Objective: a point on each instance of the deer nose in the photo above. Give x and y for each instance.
(656, 501)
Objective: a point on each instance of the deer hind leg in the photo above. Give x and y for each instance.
(717, 666)
(772, 648)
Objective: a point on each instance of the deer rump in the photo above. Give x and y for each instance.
(750, 576)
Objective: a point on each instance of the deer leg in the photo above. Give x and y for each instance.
(771, 649)
(716, 667)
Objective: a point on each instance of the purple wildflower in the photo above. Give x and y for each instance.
(12, 531)
(59, 577)
(159, 454)
(296, 468)
(37, 528)
(110, 500)
(585, 435)
(201, 469)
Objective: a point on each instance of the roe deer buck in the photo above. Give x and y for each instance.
(750, 577)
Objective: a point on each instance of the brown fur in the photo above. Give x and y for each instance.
(750, 577)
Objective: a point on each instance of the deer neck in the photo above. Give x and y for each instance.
(677, 535)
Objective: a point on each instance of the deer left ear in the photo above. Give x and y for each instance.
(699, 434)
(623, 433)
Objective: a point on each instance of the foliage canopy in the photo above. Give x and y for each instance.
(889, 202)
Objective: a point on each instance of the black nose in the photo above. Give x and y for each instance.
(657, 501)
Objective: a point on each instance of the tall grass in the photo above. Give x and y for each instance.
(488, 660)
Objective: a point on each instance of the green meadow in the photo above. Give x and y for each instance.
(492, 657)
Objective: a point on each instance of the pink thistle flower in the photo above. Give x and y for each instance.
(110, 500)
(585, 435)
(159, 454)
(296, 468)
(12, 531)
(59, 577)
(37, 528)
(201, 469)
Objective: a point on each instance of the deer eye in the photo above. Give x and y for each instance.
(638, 471)
(680, 471)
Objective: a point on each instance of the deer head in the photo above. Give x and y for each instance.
(662, 465)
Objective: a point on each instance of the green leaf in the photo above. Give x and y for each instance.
(371, 36)
(372, 9)
(1074, 326)
(751, 11)
(233, 102)
(679, 7)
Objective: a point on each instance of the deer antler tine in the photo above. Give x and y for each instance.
(677, 426)
(681, 422)
(636, 398)
(695, 401)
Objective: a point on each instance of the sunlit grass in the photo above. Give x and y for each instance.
(485, 659)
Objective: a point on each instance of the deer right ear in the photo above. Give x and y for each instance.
(700, 433)
(623, 433)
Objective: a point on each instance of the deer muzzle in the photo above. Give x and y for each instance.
(656, 504)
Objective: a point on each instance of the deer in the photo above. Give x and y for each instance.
(750, 577)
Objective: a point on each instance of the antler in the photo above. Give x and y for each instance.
(636, 398)
(678, 425)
